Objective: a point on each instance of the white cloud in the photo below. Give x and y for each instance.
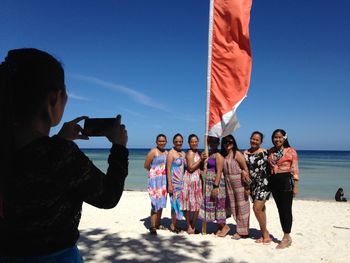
(134, 113)
(77, 97)
(133, 94)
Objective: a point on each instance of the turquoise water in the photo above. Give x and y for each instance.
(321, 172)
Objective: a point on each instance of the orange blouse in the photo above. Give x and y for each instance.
(287, 163)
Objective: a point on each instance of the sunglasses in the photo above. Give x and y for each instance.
(228, 142)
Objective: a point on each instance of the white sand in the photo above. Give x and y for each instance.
(321, 233)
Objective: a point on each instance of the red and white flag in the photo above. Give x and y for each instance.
(229, 64)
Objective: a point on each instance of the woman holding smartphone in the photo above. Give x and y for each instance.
(45, 180)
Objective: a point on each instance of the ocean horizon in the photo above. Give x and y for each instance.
(321, 172)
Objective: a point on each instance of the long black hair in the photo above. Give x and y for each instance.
(27, 76)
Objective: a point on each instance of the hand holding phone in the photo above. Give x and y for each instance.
(71, 130)
(109, 127)
(98, 126)
(118, 134)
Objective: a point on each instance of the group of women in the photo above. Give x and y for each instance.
(216, 185)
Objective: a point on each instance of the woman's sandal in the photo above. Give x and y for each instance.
(260, 240)
(284, 243)
(161, 227)
(191, 231)
(267, 241)
(174, 230)
(236, 236)
(264, 241)
(224, 231)
(153, 230)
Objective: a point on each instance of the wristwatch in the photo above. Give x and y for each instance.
(215, 186)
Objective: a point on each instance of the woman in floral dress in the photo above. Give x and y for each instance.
(256, 158)
(175, 166)
(191, 195)
(155, 165)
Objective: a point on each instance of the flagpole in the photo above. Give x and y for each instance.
(210, 41)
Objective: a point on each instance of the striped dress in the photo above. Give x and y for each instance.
(238, 204)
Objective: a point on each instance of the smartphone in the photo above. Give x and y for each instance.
(98, 126)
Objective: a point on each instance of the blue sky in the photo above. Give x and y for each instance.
(147, 60)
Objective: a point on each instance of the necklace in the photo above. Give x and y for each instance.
(278, 154)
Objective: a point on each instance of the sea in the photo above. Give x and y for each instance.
(321, 172)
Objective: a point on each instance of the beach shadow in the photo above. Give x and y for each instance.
(256, 234)
(147, 248)
(181, 224)
(211, 228)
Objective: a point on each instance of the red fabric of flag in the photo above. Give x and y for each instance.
(230, 64)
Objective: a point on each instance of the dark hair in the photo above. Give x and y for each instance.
(192, 136)
(27, 76)
(224, 140)
(177, 134)
(258, 133)
(217, 140)
(285, 143)
(160, 135)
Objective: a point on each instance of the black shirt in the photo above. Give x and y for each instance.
(43, 194)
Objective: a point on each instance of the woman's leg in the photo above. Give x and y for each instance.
(223, 229)
(154, 216)
(284, 200)
(173, 223)
(194, 219)
(153, 227)
(286, 211)
(159, 216)
(188, 221)
(260, 214)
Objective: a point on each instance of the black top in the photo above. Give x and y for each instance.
(44, 193)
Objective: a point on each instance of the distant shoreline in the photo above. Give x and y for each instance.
(311, 199)
(185, 149)
(321, 172)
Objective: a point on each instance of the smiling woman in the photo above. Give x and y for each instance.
(259, 172)
(175, 171)
(284, 179)
(155, 165)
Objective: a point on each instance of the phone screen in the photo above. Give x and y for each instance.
(98, 126)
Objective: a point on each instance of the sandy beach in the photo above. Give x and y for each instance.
(321, 233)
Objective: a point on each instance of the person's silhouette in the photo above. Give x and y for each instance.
(339, 195)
